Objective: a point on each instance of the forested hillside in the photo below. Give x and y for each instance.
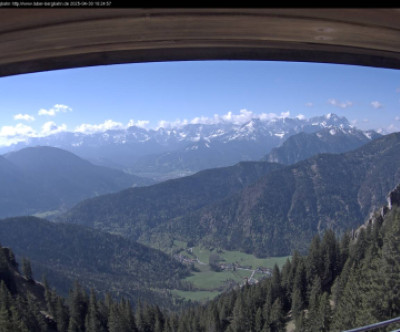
(265, 209)
(109, 263)
(283, 210)
(340, 284)
(135, 211)
(22, 299)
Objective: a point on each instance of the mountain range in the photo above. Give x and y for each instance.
(43, 178)
(278, 212)
(327, 140)
(284, 209)
(165, 153)
(309, 178)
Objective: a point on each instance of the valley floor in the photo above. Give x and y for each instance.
(233, 269)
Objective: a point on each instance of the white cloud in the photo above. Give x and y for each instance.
(19, 129)
(267, 116)
(376, 104)
(337, 103)
(13, 134)
(94, 128)
(50, 112)
(204, 120)
(285, 114)
(25, 117)
(172, 124)
(20, 132)
(241, 118)
(51, 127)
(57, 108)
(139, 123)
(397, 118)
(309, 104)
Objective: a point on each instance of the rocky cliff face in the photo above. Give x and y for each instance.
(393, 199)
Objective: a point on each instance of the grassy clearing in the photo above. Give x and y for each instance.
(252, 261)
(241, 258)
(208, 283)
(196, 296)
(212, 281)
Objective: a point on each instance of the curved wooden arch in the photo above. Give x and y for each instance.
(33, 40)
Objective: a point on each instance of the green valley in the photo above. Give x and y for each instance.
(230, 270)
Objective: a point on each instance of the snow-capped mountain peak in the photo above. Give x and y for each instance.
(227, 142)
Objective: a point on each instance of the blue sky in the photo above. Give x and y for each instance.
(165, 94)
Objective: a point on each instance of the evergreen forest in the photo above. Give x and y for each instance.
(341, 283)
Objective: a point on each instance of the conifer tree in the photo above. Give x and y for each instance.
(258, 321)
(93, 320)
(391, 265)
(143, 319)
(276, 288)
(346, 310)
(61, 315)
(358, 248)
(31, 315)
(325, 313)
(114, 319)
(17, 323)
(286, 283)
(5, 296)
(297, 303)
(128, 316)
(240, 320)
(50, 298)
(299, 286)
(195, 324)
(266, 309)
(277, 316)
(78, 305)
(314, 305)
(330, 252)
(314, 260)
(5, 322)
(344, 246)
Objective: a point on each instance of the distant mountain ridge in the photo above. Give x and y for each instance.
(279, 212)
(328, 140)
(284, 209)
(43, 178)
(183, 150)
